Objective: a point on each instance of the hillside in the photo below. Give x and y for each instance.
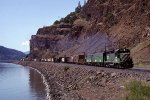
(10, 54)
(99, 23)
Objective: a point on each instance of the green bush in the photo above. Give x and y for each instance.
(56, 22)
(138, 91)
(70, 18)
(109, 16)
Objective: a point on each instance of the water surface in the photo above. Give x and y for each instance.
(20, 83)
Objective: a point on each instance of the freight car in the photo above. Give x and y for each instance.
(119, 58)
(75, 59)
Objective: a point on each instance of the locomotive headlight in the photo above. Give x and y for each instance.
(116, 59)
(95, 60)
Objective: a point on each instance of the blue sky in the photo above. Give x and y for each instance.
(19, 19)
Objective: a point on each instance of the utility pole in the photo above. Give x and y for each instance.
(105, 47)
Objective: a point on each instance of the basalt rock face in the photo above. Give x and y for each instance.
(49, 41)
(99, 23)
(126, 22)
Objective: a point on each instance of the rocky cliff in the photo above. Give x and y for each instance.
(99, 23)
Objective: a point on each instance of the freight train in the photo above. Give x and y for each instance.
(119, 58)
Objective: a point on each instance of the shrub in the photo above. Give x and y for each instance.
(70, 18)
(56, 22)
(88, 17)
(138, 91)
(66, 69)
(109, 16)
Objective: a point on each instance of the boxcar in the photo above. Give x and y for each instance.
(81, 59)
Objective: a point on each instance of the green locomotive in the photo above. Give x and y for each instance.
(119, 58)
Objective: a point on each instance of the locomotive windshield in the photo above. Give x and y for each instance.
(121, 52)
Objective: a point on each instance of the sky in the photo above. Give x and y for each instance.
(19, 19)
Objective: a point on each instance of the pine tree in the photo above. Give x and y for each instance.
(78, 8)
(79, 5)
(84, 2)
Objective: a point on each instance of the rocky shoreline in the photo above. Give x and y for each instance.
(79, 82)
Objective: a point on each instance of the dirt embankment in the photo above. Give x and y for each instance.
(79, 82)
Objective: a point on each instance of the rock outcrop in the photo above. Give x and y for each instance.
(99, 23)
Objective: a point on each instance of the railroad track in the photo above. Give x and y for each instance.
(134, 69)
(141, 69)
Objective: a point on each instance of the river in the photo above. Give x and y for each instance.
(20, 83)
